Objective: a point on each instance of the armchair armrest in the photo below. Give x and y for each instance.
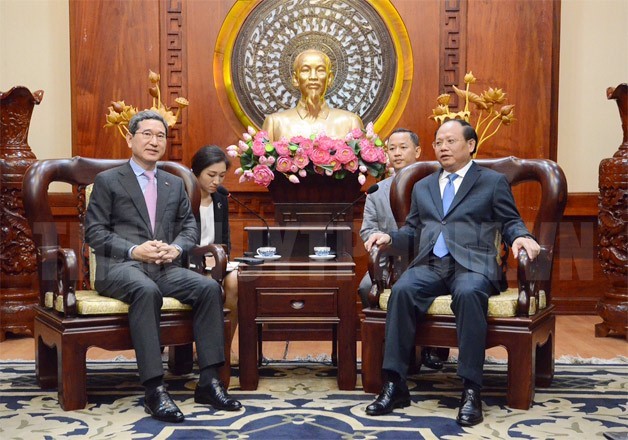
(533, 280)
(196, 260)
(61, 268)
(381, 266)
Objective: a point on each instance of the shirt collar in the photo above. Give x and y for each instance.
(137, 169)
(461, 172)
(303, 113)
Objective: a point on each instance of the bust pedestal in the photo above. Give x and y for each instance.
(314, 200)
(18, 292)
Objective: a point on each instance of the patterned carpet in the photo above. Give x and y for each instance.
(301, 401)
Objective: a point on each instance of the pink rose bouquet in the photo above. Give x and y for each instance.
(361, 151)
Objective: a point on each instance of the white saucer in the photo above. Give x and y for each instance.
(322, 257)
(274, 257)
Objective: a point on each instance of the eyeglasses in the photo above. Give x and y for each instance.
(148, 135)
(449, 142)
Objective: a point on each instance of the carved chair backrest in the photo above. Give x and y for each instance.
(78, 172)
(547, 173)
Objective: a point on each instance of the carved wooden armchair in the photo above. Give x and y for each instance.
(520, 319)
(70, 316)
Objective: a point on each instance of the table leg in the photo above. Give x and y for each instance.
(248, 336)
(347, 369)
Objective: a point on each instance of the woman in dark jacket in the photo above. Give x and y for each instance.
(210, 165)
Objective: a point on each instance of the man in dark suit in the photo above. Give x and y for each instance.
(403, 149)
(456, 216)
(138, 222)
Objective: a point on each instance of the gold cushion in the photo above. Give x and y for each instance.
(89, 302)
(503, 305)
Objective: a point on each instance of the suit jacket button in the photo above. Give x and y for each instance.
(444, 222)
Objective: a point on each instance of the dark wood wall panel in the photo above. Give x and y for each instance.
(113, 44)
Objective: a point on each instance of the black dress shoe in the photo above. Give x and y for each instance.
(429, 358)
(159, 405)
(216, 395)
(393, 395)
(470, 412)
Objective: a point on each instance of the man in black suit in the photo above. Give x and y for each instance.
(456, 215)
(138, 222)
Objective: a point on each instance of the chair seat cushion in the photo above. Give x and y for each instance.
(503, 305)
(89, 302)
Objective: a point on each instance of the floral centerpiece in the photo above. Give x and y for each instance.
(490, 116)
(361, 151)
(120, 113)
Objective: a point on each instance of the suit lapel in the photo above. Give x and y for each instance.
(130, 184)
(163, 194)
(467, 183)
(435, 192)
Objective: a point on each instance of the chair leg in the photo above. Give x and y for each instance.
(72, 377)
(545, 363)
(45, 363)
(372, 356)
(521, 373)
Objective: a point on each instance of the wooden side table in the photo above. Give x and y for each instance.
(297, 290)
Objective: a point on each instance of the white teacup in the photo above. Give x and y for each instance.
(266, 251)
(322, 251)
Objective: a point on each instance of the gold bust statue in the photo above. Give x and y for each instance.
(312, 75)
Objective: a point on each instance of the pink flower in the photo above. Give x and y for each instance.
(361, 179)
(320, 156)
(344, 154)
(298, 139)
(283, 164)
(370, 154)
(306, 145)
(261, 136)
(232, 151)
(325, 143)
(352, 165)
(263, 175)
(299, 156)
(365, 143)
(301, 160)
(356, 133)
(259, 148)
(282, 147)
(336, 165)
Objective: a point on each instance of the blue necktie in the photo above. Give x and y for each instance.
(440, 248)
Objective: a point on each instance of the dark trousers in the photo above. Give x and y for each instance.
(411, 297)
(143, 287)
